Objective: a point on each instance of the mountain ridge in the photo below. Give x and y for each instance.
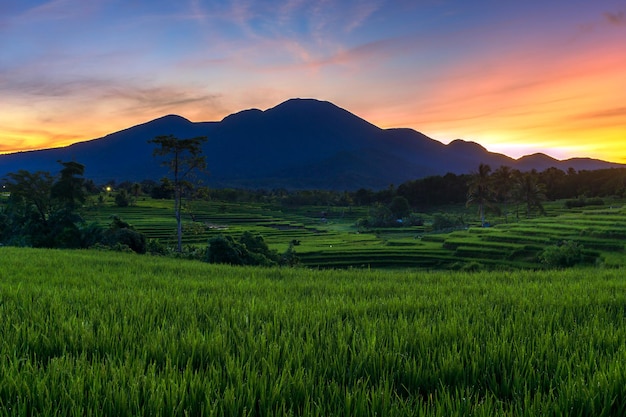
(300, 143)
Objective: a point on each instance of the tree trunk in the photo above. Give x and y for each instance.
(179, 224)
(481, 208)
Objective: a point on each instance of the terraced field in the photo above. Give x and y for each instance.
(328, 238)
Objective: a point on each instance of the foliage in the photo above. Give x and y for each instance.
(69, 189)
(123, 198)
(413, 219)
(480, 192)
(163, 191)
(249, 249)
(290, 257)
(434, 190)
(399, 207)
(42, 211)
(184, 159)
(583, 202)
(530, 192)
(121, 234)
(379, 216)
(447, 221)
(156, 247)
(565, 254)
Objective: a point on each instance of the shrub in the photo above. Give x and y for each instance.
(131, 238)
(225, 250)
(414, 219)
(123, 198)
(122, 234)
(156, 247)
(443, 221)
(289, 258)
(248, 250)
(564, 254)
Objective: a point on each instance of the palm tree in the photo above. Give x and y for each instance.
(502, 179)
(529, 191)
(480, 191)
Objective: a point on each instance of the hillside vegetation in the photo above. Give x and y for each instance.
(103, 333)
(329, 236)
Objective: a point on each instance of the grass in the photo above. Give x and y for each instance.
(90, 333)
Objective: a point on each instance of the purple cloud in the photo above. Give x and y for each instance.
(616, 18)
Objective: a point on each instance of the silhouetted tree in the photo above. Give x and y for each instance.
(502, 182)
(69, 189)
(554, 180)
(480, 192)
(123, 198)
(400, 207)
(530, 192)
(31, 191)
(43, 213)
(184, 159)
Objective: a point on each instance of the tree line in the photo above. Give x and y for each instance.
(42, 210)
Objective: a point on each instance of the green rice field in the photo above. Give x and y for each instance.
(329, 238)
(92, 333)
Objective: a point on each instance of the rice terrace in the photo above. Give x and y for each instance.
(438, 318)
(312, 208)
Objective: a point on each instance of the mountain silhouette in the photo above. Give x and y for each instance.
(299, 144)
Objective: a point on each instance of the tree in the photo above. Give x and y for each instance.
(400, 207)
(530, 192)
(41, 211)
(69, 189)
(123, 198)
(480, 192)
(249, 249)
(502, 181)
(122, 235)
(31, 191)
(185, 158)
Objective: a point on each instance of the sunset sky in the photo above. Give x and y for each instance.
(518, 77)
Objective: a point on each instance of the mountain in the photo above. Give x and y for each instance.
(301, 143)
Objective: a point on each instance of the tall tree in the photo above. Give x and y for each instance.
(480, 192)
(502, 180)
(42, 211)
(31, 191)
(184, 158)
(69, 190)
(530, 192)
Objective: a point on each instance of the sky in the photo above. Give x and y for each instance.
(518, 77)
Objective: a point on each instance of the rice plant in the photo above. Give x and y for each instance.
(87, 333)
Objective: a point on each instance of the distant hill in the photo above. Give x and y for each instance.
(301, 143)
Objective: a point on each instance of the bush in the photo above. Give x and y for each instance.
(565, 254)
(122, 234)
(123, 198)
(250, 249)
(289, 258)
(225, 250)
(128, 237)
(443, 221)
(414, 219)
(156, 247)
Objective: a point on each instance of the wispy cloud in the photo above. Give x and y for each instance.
(616, 18)
(617, 112)
(62, 10)
(361, 13)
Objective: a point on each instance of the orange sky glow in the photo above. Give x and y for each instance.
(517, 79)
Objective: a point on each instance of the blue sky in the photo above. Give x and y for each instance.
(517, 77)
